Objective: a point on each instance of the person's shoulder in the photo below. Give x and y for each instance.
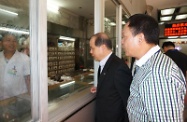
(179, 55)
(118, 62)
(163, 58)
(185, 55)
(160, 61)
(22, 55)
(163, 64)
(172, 52)
(117, 59)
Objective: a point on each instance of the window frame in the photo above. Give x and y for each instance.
(38, 53)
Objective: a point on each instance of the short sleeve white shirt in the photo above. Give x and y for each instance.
(12, 74)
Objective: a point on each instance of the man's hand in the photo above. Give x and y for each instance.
(93, 89)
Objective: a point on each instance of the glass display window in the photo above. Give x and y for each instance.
(15, 90)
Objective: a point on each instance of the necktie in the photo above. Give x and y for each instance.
(136, 69)
(99, 71)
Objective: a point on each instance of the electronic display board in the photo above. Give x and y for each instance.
(176, 29)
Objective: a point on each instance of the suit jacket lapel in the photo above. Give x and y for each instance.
(105, 70)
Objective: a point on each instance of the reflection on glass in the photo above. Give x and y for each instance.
(15, 102)
(68, 87)
(110, 21)
(67, 71)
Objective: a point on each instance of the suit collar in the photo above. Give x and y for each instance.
(103, 61)
(105, 69)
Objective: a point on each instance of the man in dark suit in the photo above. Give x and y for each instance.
(178, 57)
(114, 81)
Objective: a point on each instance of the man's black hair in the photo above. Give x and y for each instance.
(141, 23)
(167, 44)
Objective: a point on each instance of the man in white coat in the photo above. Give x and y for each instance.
(14, 69)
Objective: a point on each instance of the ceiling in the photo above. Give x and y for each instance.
(86, 7)
(177, 14)
(162, 4)
(158, 5)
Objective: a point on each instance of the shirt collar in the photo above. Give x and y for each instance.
(15, 54)
(103, 61)
(151, 52)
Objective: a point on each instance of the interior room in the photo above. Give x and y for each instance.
(56, 35)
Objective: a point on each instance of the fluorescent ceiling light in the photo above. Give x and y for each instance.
(167, 11)
(9, 12)
(67, 84)
(106, 19)
(52, 8)
(14, 30)
(112, 24)
(183, 36)
(172, 37)
(182, 16)
(67, 38)
(126, 16)
(161, 23)
(123, 22)
(168, 18)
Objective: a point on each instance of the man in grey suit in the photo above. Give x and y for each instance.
(158, 87)
(114, 81)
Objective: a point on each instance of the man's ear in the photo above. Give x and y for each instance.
(140, 37)
(103, 46)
